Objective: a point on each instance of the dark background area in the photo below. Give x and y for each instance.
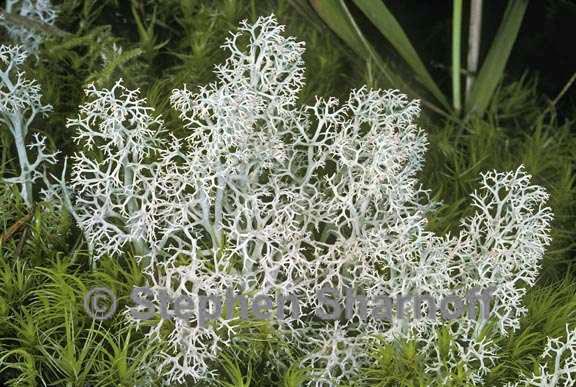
(545, 46)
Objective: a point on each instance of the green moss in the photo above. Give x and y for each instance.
(44, 269)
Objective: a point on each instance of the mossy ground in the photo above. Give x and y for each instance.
(45, 334)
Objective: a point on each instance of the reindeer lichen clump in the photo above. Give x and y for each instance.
(111, 195)
(266, 196)
(557, 366)
(20, 105)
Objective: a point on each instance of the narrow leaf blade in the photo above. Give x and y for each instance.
(492, 69)
(383, 19)
(337, 16)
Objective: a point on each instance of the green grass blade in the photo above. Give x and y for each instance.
(304, 8)
(492, 69)
(456, 53)
(337, 16)
(389, 27)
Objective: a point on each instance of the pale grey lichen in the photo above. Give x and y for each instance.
(20, 105)
(37, 10)
(111, 195)
(267, 196)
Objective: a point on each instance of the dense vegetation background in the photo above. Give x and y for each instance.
(44, 268)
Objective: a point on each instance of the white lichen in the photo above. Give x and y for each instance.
(117, 135)
(20, 105)
(265, 196)
(41, 11)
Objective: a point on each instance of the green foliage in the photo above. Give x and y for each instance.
(389, 27)
(45, 335)
(456, 54)
(237, 377)
(492, 69)
(550, 308)
(517, 129)
(338, 16)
